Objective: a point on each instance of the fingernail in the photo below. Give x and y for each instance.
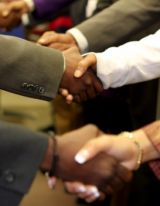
(81, 157)
(77, 73)
(50, 184)
(64, 92)
(69, 97)
(81, 189)
(41, 41)
(94, 191)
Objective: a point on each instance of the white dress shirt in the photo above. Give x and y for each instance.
(25, 18)
(132, 62)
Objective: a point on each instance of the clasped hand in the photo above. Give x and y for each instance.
(11, 12)
(102, 170)
(79, 81)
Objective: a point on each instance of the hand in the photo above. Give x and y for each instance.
(8, 22)
(58, 41)
(18, 6)
(118, 146)
(102, 171)
(88, 86)
(89, 193)
(87, 63)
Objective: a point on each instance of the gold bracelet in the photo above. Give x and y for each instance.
(140, 150)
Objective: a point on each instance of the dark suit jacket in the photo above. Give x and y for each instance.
(30, 70)
(21, 152)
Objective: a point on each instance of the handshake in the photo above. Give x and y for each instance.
(103, 172)
(79, 82)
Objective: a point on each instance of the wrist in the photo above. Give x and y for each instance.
(136, 157)
(71, 39)
(80, 39)
(48, 157)
(149, 152)
(49, 162)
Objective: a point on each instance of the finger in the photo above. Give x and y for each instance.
(75, 187)
(91, 198)
(48, 38)
(91, 194)
(92, 148)
(115, 184)
(98, 86)
(51, 182)
(61, 46)
(125, 174)
(88, 61)
(83, 96)
(64, 92)
(77, 98)
(91, 93)
(87, 192)
(69, 99)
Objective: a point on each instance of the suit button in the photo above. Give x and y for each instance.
(24, 86)
(9, 176)
(41, 90)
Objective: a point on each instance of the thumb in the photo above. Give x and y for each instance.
(87, 62)
(93, 148)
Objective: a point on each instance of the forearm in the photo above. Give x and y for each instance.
(30, 69)
(132, 62)
(152, 132)
(112, 22)
(149, 151)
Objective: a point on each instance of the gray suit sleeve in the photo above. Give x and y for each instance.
(29, 69)
(114, 25)
(21, 152)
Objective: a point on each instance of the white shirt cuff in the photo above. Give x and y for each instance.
(25, 19)
(80, 39)
(30, 4)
